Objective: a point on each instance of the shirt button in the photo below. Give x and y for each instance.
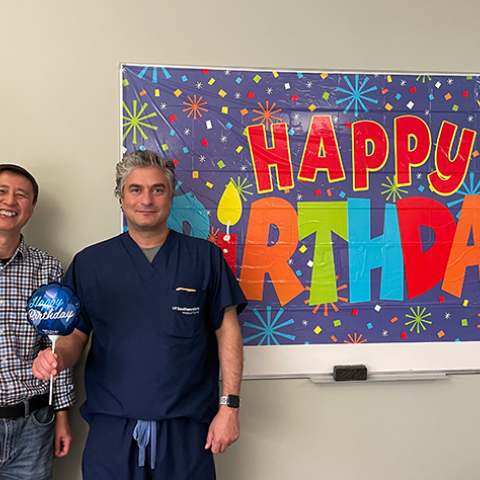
(1, 330)
(2, 302)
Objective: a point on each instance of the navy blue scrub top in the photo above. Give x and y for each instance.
(154, 352)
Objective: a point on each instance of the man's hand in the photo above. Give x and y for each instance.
(224, 430)
(69, 349)
(46, 364)
(63, 436)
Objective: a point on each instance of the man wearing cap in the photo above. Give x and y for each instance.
(162, 310)
(31, 434)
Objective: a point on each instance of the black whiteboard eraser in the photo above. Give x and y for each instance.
(349, 373)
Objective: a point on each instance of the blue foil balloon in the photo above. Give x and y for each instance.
(53, 309)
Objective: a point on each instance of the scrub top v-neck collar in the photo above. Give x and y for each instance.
(144, 268)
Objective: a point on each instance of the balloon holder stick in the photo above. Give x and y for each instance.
(53, 339)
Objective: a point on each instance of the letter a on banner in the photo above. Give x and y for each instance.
(462, 254)
(321, 151)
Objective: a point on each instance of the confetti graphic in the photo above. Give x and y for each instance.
(345, 204)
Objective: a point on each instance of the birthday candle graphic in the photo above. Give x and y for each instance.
(228, 213)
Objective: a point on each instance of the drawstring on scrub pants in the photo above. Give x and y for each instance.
(143, 432)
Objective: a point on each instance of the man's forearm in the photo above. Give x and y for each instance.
(225, 427)
(62, 417)
(230, 353)
(69, 349)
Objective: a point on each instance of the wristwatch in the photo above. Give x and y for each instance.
(232, 401)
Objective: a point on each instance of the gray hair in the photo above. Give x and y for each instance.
(143, 159)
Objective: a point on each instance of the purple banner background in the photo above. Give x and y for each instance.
(163, 112)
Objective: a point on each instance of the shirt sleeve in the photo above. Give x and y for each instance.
(63, 390)
(225, 289)
(73, 279)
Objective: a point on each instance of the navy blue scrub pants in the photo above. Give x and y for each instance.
(111, 452)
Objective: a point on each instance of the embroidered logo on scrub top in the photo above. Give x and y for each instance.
(186, 299)
(187, 310)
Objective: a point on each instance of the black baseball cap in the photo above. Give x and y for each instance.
(10, 167)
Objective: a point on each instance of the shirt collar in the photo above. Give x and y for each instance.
(22, 248)
(21, 252)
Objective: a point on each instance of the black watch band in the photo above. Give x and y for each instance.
(232, 401)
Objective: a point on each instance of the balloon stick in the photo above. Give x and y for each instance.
(53, 339)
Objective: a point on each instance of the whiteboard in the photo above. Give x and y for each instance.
(299, 361)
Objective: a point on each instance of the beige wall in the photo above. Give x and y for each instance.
(59, 109)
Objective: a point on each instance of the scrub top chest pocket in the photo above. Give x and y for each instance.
(187, 312)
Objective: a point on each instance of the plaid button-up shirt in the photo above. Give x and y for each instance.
(28, 269)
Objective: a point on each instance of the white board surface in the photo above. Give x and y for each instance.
(297, 361)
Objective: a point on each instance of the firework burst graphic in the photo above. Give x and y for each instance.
(419, 318)
(135, 121)
(194, 106)
(242, 189)
(268, 330)
(393, 189)
(266, 114)
(355, 339)
(356, 95)
(325, 305)
(213, 235)
(468, 190)
(423, 77)
(154, 73)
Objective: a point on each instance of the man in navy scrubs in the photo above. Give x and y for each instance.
(162, 310)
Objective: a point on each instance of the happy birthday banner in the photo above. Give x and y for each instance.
(346, 204)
